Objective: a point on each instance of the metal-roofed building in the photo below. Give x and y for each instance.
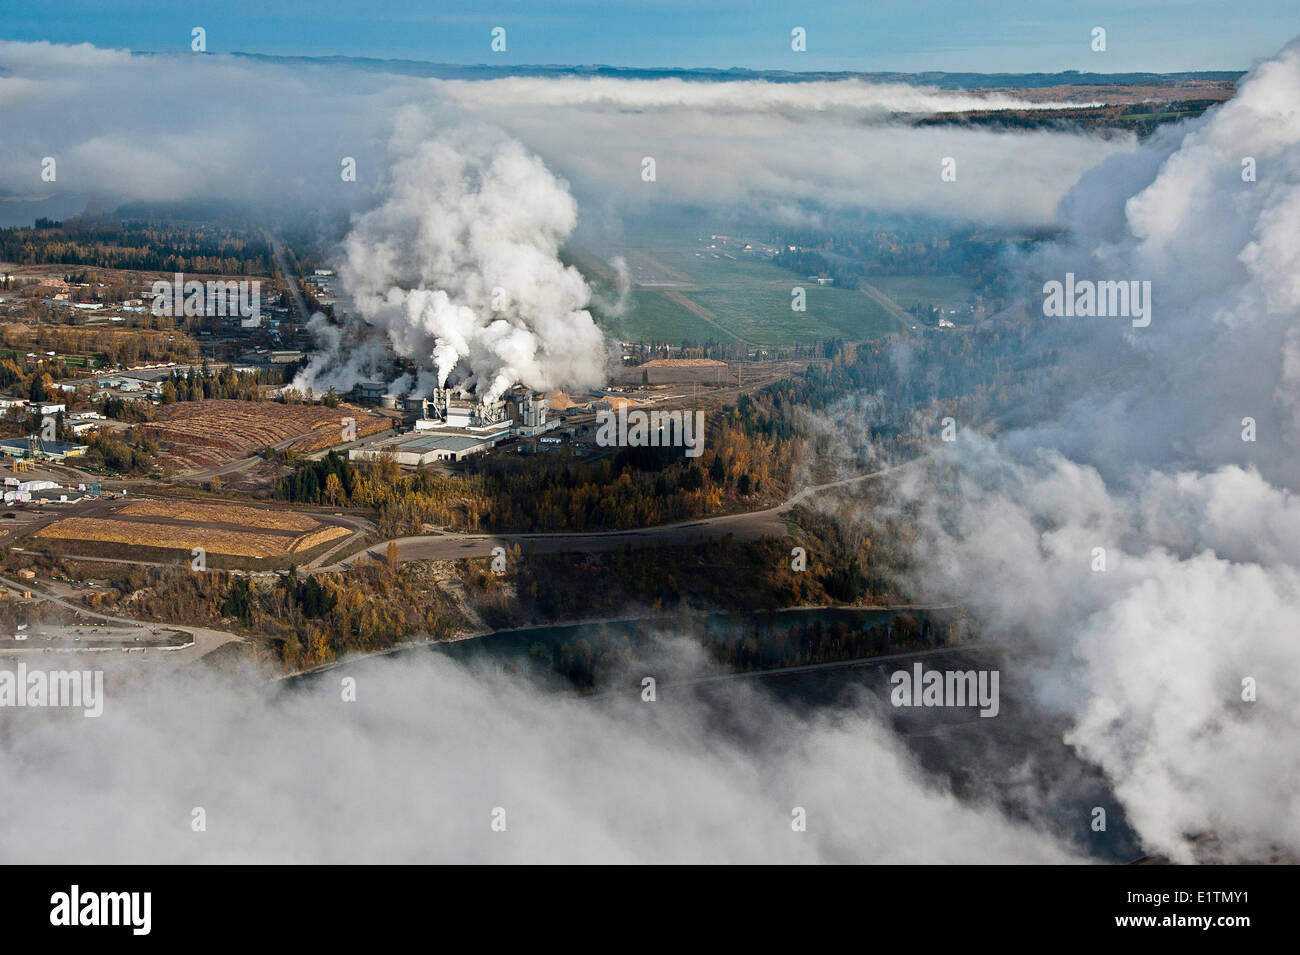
(37, 449)
(419, 449)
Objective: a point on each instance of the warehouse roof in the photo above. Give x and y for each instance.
(443, 442)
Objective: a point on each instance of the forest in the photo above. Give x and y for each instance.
(136, 244)
(634, 487)
(297, 620)
(600, 661)
(114, 346)
(203, 383)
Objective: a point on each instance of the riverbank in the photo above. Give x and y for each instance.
(823, 634)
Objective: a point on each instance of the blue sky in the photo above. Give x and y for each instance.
(957, 35)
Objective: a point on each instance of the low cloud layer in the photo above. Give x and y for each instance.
(866, 99)
(1139, 557)
(171, 127)
(412, 770)
(466, 190)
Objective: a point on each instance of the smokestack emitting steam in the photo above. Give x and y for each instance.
(460, 268)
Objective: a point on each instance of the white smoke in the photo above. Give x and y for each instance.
(345, 354)
(616, 306)
(459, 266)
(1140, 557)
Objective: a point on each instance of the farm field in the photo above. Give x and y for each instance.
(941, 290)
(653, 316)
(198, 434)
(684, 291)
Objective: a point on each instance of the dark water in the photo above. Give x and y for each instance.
(505, 644)
(1016, 760)
(646, 639)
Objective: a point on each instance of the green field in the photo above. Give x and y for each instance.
(941, 290)
(71, 361)
(652, 316)
(684, 291)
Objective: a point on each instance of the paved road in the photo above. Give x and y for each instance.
(751, 525)
(206, 474)
(290, 279)
(360, 527)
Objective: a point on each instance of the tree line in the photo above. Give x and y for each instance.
(137, 245)
(556, 492)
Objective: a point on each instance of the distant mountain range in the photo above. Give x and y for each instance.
(937, 79)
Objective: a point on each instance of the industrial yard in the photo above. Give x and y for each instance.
(166, 531)
(205, 434)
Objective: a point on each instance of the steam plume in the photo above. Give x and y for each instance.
(459, 267)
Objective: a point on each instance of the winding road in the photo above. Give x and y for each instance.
(750, 525)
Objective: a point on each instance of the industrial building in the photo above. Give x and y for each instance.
(34, 448)
(453, 425)
(521, 411)
(415, 450)
(449, 410)
(369, 392)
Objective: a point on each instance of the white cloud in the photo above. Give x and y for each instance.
(412, 770)
(877, 100)
(1201, 588)
(213, 126)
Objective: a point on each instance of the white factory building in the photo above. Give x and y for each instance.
(453, 425)
(449, 411)
(520, 413)
(414, 450)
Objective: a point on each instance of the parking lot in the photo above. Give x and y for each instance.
(82, 637)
